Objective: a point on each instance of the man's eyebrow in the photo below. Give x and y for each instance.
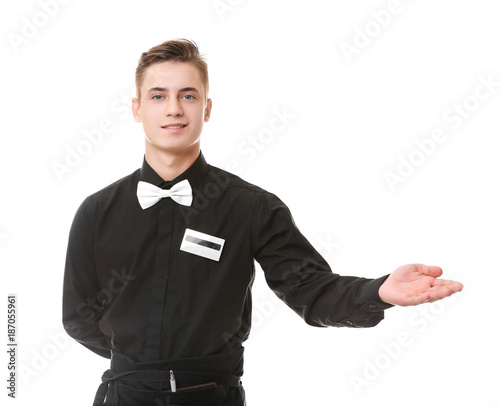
(157, 89)
(164, 89)
(189, 89)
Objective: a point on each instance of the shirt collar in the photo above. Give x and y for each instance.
(194, 174)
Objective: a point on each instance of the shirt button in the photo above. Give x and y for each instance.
(372, 306)
(350, 322)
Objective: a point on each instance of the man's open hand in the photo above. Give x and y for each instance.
(414, 284)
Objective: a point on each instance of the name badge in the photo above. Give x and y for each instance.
(201, 244)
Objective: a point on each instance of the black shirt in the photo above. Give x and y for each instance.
(130, 288)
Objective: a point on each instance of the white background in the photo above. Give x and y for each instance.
(355, 116)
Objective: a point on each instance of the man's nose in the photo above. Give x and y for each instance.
(173, 108)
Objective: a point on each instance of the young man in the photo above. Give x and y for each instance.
(160, 264)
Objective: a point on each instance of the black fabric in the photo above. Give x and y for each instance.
(128, 383)
(129, 288)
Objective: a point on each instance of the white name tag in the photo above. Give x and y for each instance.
(202, 244)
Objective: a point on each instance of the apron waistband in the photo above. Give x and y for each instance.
(188, 371)
(230, 363)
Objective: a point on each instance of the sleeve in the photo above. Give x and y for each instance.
(82, 303)
(300, 277)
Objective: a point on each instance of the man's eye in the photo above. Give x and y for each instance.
(157, 97)
(188, 97)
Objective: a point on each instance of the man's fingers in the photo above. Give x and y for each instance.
(440, 292)
(453, 285)
(437, 292)
(432, 270)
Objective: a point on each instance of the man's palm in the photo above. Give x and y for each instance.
(414, 284)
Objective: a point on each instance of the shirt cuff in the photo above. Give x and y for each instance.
(370, 295)
(372, 308)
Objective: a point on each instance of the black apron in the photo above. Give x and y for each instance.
(201, 381)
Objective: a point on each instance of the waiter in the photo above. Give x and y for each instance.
(160, 264)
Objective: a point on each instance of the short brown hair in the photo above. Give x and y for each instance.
(178, 50)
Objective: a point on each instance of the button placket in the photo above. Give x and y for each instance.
(160, 279)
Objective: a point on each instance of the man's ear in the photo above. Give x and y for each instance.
(136, 106)
(208, 110)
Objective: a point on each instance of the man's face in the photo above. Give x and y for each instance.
(173, 107)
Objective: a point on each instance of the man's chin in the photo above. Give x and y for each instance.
(172, 148)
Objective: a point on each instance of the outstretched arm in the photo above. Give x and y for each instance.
(414, 284)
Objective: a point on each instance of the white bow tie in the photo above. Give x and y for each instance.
(148, 194)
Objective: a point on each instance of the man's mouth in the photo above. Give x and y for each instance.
(174, 126)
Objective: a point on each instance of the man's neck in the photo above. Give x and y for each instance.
(169, 166)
